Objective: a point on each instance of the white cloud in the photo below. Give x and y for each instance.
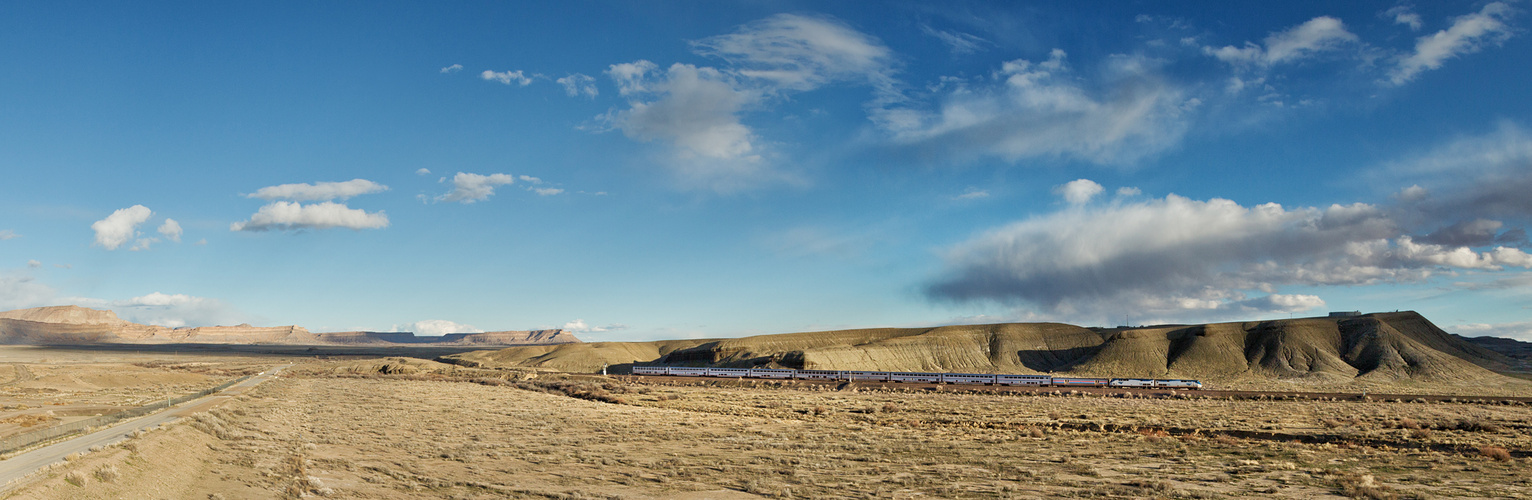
(547, 191)
(1128, 191)
(171, 229)
(174, 310)
(577, 84)
(1176, 258)
(422, 171)
(960, 43)
(1320, 34)
(1468, 34)
(34, 264)
(6, 234)
(528, 178)
(469, 188)
(1078, 191)
(319, 191)
(1041, 109)
(287, 216)
(121, 226)
(452, 69)
(579, 326)
(1404, 15)
(507, 77)
(436, 328)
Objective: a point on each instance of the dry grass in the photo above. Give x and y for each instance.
(1495, 452)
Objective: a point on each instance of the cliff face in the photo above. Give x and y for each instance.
(63, 325)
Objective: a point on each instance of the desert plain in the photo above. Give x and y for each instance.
(348, 425)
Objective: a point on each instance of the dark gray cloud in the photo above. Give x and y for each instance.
(1176, 258)
(1472, 233)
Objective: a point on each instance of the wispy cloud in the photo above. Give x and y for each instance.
(972, 194)
(1468, 34)
(176, 310)
(1315, 36)
(452, 69)
(960, 43)
(794, 52)
(1030, 109)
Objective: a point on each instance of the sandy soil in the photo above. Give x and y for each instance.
(399, 436)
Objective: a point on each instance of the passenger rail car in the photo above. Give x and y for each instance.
(919, 377)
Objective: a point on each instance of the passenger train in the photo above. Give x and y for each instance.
(918, 377)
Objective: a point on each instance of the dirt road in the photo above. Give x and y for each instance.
(23, 465)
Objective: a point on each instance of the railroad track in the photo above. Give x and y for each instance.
(1102, 391)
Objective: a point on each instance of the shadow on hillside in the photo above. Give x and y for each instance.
(1045, 361)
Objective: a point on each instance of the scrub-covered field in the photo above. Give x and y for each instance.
(343, 430)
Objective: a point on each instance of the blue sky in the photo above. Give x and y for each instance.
(635, 171)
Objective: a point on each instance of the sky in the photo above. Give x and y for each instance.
(650, 170)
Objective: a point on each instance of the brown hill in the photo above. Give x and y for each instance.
(66, 314)
(1381, 348)
(68, 325)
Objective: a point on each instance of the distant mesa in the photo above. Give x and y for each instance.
(70, 325)
(1378, 348)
